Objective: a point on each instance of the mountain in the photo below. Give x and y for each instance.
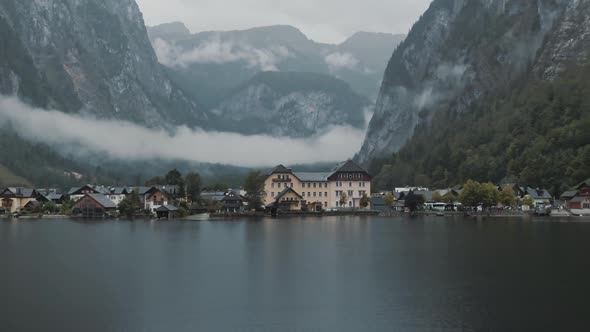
(289, 104)
(211, 64)
(88, 57)
(489, 90)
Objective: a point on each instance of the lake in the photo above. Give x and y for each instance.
(330, 274)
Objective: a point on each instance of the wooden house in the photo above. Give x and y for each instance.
(94, 206)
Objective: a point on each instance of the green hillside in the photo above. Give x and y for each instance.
(537, 135)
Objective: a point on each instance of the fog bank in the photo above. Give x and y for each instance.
(122, 140)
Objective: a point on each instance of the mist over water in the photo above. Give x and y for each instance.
(123, 140)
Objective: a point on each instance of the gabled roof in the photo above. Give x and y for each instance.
(146, 190)
(569, 194)
(19, 192)
(426, 194)
(75, 190)
(281, 169)
(233, 196)
(102, 200)
(538, 193)
(119, 191)
(165, 208)
(312, 176)
(348, 166)
(286, 191)
(582, 184)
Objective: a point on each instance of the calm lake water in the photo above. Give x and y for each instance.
(331, 274)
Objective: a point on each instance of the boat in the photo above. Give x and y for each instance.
(440, 214)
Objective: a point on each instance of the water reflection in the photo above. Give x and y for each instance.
(330, 274)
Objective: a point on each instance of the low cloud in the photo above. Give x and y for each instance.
(219, 52)
(337, 61)
(122, 140)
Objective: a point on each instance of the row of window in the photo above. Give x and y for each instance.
(315, 184)
(309, 194)
(281, 185)
(361, 184)
(351, 176)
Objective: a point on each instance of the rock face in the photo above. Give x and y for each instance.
(462, 51)
(211, 64)
(92, 57)
(286, 104)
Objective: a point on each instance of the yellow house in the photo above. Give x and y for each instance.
(320, 189)
(15, 199)
(289, 200)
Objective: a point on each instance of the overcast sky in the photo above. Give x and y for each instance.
(321, 20)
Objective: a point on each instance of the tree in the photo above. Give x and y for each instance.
(413, 201)
(174, 177)
(343, 199)
(130, 205)
(50, 207)
(66, 207)
(449, 198)
(193, 186)
(365, 201)
(528, 201)
(490, 196)
(507, 196)
(389, 200)
(154, 181)
(437, 197)
(254, 187)
(470, 196)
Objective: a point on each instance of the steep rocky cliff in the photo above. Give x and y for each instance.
(91, 57)
(460, 52)
(287, 104)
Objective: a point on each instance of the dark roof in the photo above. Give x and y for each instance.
(165, 208)
(74, 190)
(145, 190)
(21, 192)
(284, 192)
(312, 176)
(232, 195)
(281, 169)
(583, 183)
(569, 194)
(348, 166)
(538, 193)
(426, 194)
(119, 191)
(103, 200)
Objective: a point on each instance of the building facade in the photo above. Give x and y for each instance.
(320, 188)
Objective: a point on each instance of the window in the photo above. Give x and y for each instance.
(350, 184)
(314, 194)
(303, 194)
(350, 193)
(326, 186)
(291, 184)
(326, 204)
(272, 185)
(272, 194)
(314, 185)
(350, 204)
(320, 194)
(326, 194)
(308, 194)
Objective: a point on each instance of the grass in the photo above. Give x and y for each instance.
(8, 178)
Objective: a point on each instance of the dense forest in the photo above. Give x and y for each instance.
(538, 135)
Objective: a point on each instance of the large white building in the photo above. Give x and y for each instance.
(296, 190)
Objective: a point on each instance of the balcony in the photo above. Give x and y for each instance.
(282, 180)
